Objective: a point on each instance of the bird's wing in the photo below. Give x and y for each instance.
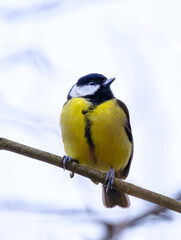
(124, 173)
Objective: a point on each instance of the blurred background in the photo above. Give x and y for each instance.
(45, 46)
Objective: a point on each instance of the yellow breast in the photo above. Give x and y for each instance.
(95, 136)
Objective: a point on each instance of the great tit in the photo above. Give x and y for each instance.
(96, 131)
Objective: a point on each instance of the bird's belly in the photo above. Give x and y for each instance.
(110, 144)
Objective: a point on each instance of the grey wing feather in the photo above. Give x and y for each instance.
(124, 173)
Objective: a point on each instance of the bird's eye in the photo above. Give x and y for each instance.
(91, 83)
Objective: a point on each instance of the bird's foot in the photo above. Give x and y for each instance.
(109, 179)
(66, 159)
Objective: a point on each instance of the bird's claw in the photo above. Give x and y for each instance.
(109, 179)
(71, 174)
(66, 159)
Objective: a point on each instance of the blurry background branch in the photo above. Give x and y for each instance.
(94, 175)
(13, 13)
(156, 213)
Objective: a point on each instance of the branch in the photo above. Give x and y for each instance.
(92, 174)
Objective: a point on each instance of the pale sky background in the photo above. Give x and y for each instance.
(45, 46)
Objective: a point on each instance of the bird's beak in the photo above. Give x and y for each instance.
(108, 82)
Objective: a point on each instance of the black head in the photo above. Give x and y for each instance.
(94, 87)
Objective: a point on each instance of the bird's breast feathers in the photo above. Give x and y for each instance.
(95, 134)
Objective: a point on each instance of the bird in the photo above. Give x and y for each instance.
(96, 132)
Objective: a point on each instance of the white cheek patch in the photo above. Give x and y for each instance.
(81, 91)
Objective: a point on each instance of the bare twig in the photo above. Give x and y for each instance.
(113, 229)
(92, 174)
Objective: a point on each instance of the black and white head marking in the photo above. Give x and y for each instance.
(82, 91)
(94, 87)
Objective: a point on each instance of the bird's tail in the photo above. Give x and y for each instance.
(114, 198)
